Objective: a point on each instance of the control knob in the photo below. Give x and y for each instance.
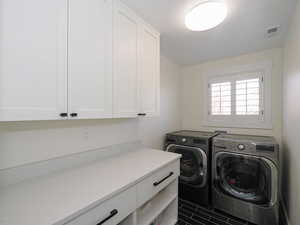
(241, 147)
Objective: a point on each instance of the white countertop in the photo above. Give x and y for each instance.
(56, 198)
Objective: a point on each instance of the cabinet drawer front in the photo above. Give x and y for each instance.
(149, 187)
(110, 212)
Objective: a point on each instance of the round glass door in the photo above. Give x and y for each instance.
(244, 177)
(193, 164)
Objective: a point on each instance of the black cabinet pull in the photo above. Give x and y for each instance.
(63, 114)
(112, 214)
(159, 182)
(73, 114)
(142, 114)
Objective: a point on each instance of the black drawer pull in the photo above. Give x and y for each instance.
(159, 182)
(142, 114)
(112, 214)
(63, 114)
(73, 114)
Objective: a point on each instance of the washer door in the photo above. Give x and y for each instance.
(193, 164)
(245, 177)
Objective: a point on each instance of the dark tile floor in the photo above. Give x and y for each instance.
(191, 214)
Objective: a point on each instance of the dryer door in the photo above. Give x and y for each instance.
(245, 177)
(193, 164)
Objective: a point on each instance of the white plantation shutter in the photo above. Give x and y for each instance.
(238, 96)
(247, 94)
(221, 98)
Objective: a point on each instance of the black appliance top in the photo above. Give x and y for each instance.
(192, 134)
(247, 138)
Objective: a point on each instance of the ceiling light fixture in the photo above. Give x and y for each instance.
(206, 15)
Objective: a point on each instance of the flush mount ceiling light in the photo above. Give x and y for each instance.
(206, 15)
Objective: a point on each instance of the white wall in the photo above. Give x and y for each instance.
(27, 142)
(291, 119)
(192, 91)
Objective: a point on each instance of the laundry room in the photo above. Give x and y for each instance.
(138, 112)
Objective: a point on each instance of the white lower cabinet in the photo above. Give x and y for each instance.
(152, 201)
(156, 208)
(129, 220)
(169, 215)
(152, 185)
(110, 212)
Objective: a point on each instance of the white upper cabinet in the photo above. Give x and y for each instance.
(149, 71)
(90, 59)
(126, 28)
(76, 59)
(33, 59)
(136, 65)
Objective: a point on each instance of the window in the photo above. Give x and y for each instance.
(247, 95)
(239, 99)
(245, 92)
(221, 98)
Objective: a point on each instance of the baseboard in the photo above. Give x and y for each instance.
(284, 214)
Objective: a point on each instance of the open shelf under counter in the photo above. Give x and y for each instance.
(129, 220)
(157, 205)
(169, 215)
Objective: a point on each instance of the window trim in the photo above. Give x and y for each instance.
(264, 121)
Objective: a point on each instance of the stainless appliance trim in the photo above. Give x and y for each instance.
(274, 173)
(203, 154)
(274, 186)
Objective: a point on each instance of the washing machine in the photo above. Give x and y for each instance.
(195, 166)
(245, 177)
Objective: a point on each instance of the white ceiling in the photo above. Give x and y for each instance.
(243, 31)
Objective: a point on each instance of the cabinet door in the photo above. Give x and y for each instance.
(33, 59)
(126, 27)
(149, 71)
(90, 59)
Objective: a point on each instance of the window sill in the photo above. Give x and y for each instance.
(226, 124)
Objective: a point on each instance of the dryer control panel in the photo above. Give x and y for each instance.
(234, 145)
(241, 147)
(243, 144)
